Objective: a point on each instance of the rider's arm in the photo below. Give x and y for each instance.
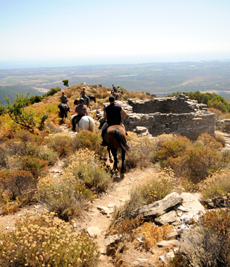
(124, 114)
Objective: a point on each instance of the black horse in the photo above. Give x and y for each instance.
(92, 98)
(64, 109)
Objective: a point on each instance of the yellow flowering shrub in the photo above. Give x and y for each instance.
(153, 234)
(45, 240)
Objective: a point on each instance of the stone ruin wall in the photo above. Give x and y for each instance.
(170, 115)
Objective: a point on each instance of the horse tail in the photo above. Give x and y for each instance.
(121, 140)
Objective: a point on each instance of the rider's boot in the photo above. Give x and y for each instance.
(103, 143)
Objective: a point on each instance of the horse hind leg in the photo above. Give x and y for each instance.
(114, 152)
(110, 158)
(122, 164)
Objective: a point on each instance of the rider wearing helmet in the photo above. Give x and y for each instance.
(112, 115)
(81, 110)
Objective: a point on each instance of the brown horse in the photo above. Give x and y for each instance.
(115, 137)
(117, 95)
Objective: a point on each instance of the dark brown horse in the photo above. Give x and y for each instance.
(92, 98)
(115, 137)
(64, 108)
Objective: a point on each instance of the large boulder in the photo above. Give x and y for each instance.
(159, 207)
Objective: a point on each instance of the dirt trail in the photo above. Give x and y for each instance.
(116, 196)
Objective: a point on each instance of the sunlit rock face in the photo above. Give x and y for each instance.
(170, 115)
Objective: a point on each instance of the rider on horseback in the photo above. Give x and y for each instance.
(63, 98)
(64, 105)
(112, 114)
(84, 95)
(82, 111)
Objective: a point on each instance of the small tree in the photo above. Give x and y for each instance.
(2, 109)
(18, 114)
(66, 82)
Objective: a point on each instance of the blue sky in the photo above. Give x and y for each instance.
(72, 32)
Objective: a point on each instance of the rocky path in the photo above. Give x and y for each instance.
(100, 211)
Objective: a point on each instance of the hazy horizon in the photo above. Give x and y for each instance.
(110, 60)
(74, 33)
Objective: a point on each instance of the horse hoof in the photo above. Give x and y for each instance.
(111, 161)
(122, 175)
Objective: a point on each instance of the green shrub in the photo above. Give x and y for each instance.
(172, 149)
(197, 163)
(60, 143)
(85, 166)
(52, 91)
(89, 140)
(48, 155)
(26, 136)
(44, 240)
(66, 197)
(194, 161)
(34, 165)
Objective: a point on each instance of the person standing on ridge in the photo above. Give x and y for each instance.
(112, 115)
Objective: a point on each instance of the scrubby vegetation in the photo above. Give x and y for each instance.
(84, 177)
(192, 160)
(31, 142)
(45, 240)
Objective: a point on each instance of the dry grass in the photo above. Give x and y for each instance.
(217, 185)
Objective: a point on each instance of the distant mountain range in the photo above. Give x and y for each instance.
(156, 78)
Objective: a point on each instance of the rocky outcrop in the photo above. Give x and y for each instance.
(174, 209)
(170, 115)
(159, 207)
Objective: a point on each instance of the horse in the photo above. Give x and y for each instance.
(64, 108)
(77, 102)
(92, 98)
(115, 137)
(116, 95)
(85, 123)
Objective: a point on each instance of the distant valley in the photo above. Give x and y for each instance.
(156, 78)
